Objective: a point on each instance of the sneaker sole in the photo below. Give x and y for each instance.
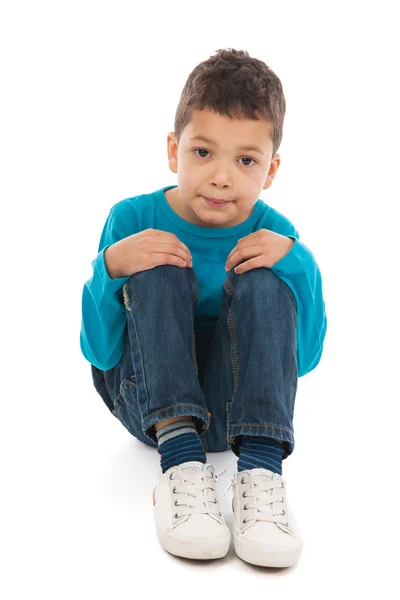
(262, 556)
(202, 549)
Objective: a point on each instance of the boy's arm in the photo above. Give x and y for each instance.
(103, 310)
(299, 270)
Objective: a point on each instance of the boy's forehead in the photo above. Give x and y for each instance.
(221, 129)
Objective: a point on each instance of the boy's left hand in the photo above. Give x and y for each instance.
(264, 248)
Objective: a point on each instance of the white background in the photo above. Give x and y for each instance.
(89, 93)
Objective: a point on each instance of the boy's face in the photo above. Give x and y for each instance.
(220, 168)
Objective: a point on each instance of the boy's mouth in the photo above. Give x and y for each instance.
(215, 201)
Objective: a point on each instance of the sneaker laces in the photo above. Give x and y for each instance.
(193, 483)
(263, 506)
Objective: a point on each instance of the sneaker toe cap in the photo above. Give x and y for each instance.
(268, 535)
(203, 527)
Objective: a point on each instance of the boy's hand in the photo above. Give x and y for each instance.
(145, 250)
(263, 247)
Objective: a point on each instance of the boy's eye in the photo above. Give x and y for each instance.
(206, 151)
(201, 150)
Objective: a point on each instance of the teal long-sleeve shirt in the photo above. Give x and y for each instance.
(103, 310)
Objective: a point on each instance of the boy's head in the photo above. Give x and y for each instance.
(233, 101)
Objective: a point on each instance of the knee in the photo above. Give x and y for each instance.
(255, 279)
(156, 278)
(264, 283)
(160, 272)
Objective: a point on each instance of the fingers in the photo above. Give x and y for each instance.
(180, 245)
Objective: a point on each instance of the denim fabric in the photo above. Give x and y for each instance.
(240, 379)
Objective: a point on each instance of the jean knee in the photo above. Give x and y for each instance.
(256, 280)
(160, 274)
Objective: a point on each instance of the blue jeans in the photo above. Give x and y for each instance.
(239, 379)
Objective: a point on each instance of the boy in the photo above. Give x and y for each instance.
(203, 310)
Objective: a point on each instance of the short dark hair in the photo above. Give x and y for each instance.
(231, 80)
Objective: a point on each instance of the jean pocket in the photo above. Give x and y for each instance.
(127, 412)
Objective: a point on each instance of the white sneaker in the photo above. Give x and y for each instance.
(264, 529)
(187, 513)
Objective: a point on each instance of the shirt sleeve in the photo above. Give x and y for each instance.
(103, 310)
(300, 272)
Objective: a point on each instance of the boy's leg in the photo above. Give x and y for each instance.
(253, 360)
(178, 442)
(160, 306)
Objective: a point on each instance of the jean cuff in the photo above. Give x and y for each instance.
(236, 432)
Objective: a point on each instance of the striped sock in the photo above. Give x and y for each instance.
(257, 452)
(179, 442)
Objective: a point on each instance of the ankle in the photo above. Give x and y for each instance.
(178, 443)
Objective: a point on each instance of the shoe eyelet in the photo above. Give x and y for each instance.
(287, 524)
(244, 520)
(170, 475)
(174, 490)
(244, 495)
(242, 480)
(176, 516)
(245, 507)
(282, 484)
(282, 499)
(215, 502)
(283, 512)
(219, 514)
(176, 502)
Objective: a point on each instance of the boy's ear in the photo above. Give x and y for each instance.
(273, 168)
(172, 149)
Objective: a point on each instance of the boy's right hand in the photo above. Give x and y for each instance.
(145, 250)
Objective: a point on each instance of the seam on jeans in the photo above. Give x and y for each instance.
(227, 411)
(264, 425)
(234, 360)
(174, 405)
(194, 356)
(194, 297)
(231, 325)
(141, 362)
(229, 287)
